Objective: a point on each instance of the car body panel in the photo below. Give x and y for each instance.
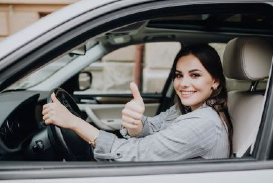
(254, 176)
(120, 170)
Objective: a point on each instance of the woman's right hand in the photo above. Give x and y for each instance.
(132, 113)
(57, 114)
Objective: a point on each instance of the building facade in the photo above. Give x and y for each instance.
(18, 14)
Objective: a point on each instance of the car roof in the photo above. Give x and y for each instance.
(48, 23)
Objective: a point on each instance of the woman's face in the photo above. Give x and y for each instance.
(193, 83)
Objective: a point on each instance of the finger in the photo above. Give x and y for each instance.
(49, 105)
(47, 116)
(128, 125)
(46, 110)
(134, 106)
(131, 114)
(50, 112)
(54, 99)
(135, 92)
(130, 120)
(48, 121)
(46, 106)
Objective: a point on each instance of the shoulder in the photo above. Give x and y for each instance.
(172, 113)
(205, 112)
(205, 116)
(174, 109)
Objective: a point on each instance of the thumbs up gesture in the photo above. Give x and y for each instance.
(57, 114)
(132, 112)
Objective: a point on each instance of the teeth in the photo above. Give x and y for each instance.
(187, 92)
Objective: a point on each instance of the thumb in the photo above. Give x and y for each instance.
(135, 92)
(54, 98)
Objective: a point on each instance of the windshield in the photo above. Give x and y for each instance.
(43, 73)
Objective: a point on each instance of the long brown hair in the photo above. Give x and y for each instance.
(218, 99)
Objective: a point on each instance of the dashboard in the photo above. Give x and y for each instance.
(24, 135)
(18, 119)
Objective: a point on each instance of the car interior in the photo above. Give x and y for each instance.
(247, 57)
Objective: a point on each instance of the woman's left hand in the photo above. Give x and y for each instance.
(55, 113)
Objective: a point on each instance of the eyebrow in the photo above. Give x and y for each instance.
(178, 71)
(193, 70)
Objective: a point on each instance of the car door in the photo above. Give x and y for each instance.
(254, 168)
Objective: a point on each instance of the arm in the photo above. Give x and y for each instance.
(182, 140)
(55, 113)
(134, 124)
(154, 124)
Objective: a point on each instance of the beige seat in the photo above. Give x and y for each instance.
(246, 59)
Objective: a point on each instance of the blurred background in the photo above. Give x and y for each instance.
(18, 14)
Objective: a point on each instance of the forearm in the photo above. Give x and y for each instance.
(85, 130)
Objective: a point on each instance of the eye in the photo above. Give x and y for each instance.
(195, 75)
(178, 75)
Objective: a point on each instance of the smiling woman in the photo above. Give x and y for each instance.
(199, 79)
(196, 133)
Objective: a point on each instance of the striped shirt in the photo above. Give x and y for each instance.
(169, 136)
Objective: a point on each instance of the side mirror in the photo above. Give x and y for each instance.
(85, 80)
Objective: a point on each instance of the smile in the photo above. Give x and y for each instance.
(187, 93)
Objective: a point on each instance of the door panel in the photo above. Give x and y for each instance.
(108, 116)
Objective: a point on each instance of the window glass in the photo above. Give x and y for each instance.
(43, 73)
(148, 65)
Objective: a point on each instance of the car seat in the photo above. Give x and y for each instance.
(248, 59)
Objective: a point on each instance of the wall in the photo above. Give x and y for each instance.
(18, 14)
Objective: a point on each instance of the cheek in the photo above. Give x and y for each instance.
(204, 83)
(208, 88)
(175, 84)
(200, 84)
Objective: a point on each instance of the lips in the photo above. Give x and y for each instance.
(186, 94)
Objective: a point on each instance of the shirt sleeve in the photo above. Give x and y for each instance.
(187, 138)
(153, 124)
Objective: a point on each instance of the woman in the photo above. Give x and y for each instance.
(197, 126)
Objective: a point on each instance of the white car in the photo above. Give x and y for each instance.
(70, 49)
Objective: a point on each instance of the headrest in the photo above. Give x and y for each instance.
(247, 59)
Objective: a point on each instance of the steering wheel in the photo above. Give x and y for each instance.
(66, 143)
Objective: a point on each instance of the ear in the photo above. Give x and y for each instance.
(216, 83)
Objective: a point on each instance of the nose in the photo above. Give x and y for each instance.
(184, 82)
